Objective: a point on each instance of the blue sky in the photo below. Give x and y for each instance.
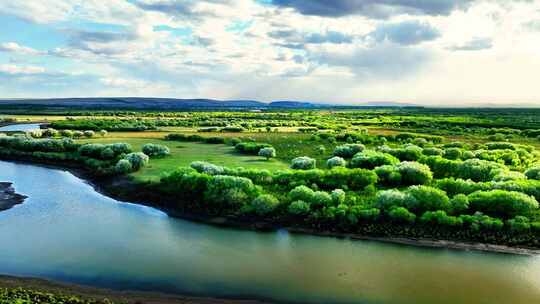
(344, 51)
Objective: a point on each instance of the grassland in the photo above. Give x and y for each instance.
(184, 153)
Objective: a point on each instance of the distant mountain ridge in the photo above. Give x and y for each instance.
(173, 103)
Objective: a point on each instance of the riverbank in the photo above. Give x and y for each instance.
(100, 294)
(124, 188)
(8, 196)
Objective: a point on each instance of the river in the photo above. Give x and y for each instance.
(67, 231)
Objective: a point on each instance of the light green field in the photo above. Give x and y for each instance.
(183, 153)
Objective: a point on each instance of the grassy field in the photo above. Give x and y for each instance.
(183, 153)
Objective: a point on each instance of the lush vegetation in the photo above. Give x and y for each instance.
(27, 296)
(446, 174)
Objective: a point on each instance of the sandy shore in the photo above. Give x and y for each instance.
(8, 196)
(128, 297)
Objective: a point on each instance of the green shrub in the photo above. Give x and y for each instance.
(459, 204)
(207, 168)
(267, 153)
(519, 224)
(413, 173)
(433, 151)
(370, 159)
(154, 150)
(301, 193)
(402, 215)
(440, 217)
(533, 173)
(230, 192)
(89, 134)
(303, 163)
(298, 208)
(264, 204)
(137, 160)
(426, 198)
(388, 175)
(123, 166)
(453, 153)
(389, 199)
(501, 203)
(348, 150)
(251, 147)
(336, 161)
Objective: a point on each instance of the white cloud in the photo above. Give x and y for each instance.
(13, 47)
(17, 70)
(242, 49)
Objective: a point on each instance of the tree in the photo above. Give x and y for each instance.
(267, 153)
(303, 163)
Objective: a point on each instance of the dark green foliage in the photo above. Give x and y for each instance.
(252, 148)
(348, 150)
(440, 217)
(519, 224)
(298, 208)
(137, 160)
(123, 166)
(533, 173)
(402, 215)
(264, 204)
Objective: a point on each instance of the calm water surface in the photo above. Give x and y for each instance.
(67, 231)
(20, 127)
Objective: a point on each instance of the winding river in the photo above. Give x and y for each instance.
(67, 231)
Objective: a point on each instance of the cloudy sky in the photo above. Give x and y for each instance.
(440, 52)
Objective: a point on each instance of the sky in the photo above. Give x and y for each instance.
(430, 52)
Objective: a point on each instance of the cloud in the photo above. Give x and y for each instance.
(184, 8)
(15, 70)
(293, 39)
(12, 47)
(372, 8)
(383, 61)
(475, 44)
(405, 33)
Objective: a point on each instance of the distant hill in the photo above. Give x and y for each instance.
(133, 103)
(141, 103)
